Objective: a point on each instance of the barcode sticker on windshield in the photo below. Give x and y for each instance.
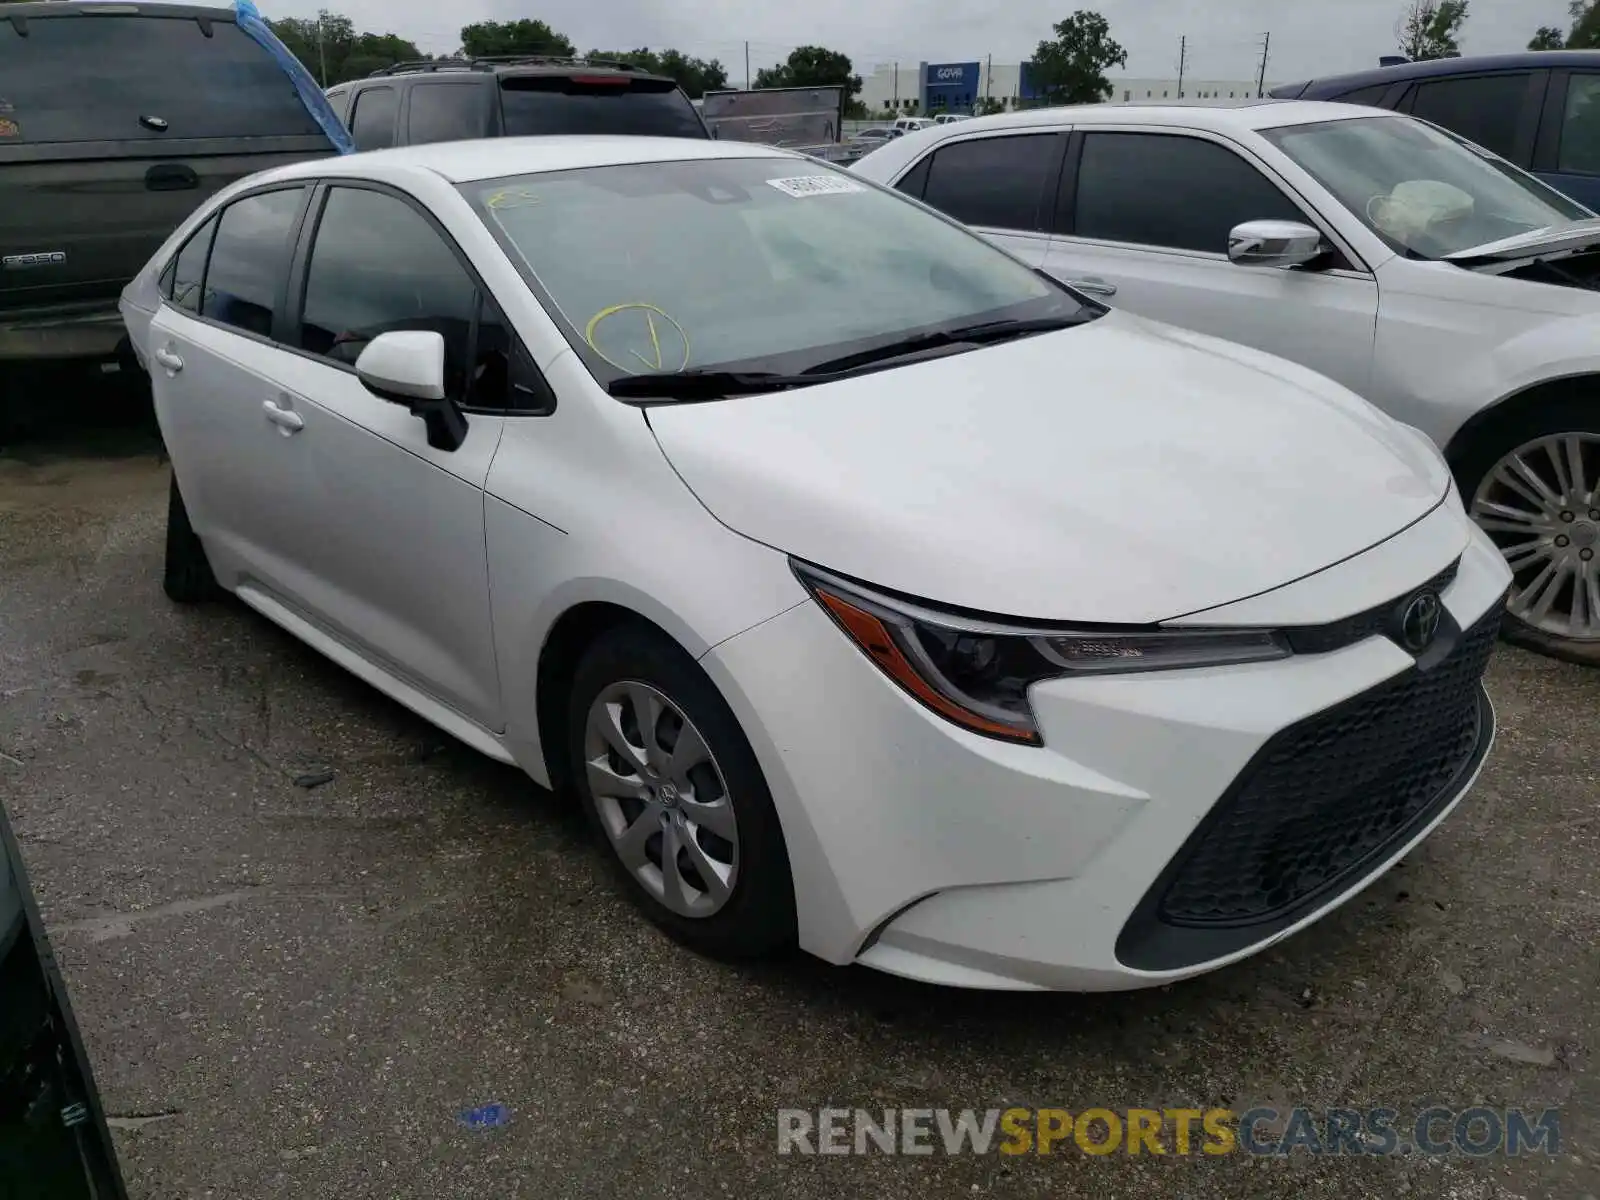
(815, 185)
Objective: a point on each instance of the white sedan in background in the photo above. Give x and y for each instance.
(1456, 292)
(896, 602)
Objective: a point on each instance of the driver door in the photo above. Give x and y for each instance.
(1142, 222)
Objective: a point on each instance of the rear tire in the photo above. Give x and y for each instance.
(1553, 530)
(640, 709)
(187, 578)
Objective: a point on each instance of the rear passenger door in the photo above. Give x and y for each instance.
(1143, 221)
(213, 374)
(1002, 185)
(1567, 149)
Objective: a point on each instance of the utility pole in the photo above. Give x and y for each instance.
(1183, 61)
(1261, 79)
(322, 52)
(747, 66)
(897, 87)
(988, 81)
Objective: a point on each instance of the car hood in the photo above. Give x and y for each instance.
(1574, 235)
(1119, 472)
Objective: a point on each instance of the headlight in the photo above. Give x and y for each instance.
(977, 673)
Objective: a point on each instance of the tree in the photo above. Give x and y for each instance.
(513, 37)
(987, 106)
(1432, 29)
(334, 52)
(695, 76)
(812, 66)
(1585, 32)
(1071, 69)
(1548, 38)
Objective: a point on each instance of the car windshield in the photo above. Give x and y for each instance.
(748, 264)
(1425, 192)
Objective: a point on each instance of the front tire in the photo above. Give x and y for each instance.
(1533, 485)
(671, 787)
(187, 577)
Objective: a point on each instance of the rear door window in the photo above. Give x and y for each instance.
(372, 122)
(1485, 108)
(250, 260)
(446, 112)
(189, 269)
(996, 182)
(540, 104)
(97, 77)
(1579, 147)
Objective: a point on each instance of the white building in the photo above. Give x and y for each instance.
(930, 87)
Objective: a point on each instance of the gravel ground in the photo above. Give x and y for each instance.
(297, 993)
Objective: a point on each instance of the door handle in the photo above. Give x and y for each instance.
(286, 420)
(169, 360)
(1092, 284)
(171, 177)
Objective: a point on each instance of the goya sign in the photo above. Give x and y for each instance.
(952, 87)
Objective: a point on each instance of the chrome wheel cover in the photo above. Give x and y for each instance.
(1541, 505)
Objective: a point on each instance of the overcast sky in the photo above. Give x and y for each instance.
(1224, 39)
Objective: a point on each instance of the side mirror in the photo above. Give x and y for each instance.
(407, 367)
(1275, 244)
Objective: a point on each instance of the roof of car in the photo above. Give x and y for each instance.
(1198, 114)
(515, 64)
(494, 158)
(1435, 67)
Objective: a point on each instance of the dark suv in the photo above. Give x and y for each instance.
(1540, 110)
(513, 96)
(116, 121)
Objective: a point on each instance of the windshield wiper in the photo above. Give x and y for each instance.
(982, 334)
(703, 385)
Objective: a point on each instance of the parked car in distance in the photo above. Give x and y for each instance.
(414, 103)
(1104, 637)
(1454, 291)
(949, 118)
(1537, 109)
(912, 124)
(116, 120)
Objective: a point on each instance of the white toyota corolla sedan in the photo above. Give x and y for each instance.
(872, 592)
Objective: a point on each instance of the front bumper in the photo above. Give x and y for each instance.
(929, 852)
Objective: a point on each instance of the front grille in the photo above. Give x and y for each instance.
(1327, 796)
(1336, 635)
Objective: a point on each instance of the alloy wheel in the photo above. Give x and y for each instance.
(1541, 505)
(661, 798)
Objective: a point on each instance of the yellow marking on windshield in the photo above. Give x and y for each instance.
(514, 198)
(651, 312)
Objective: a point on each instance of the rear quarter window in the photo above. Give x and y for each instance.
(116, 78)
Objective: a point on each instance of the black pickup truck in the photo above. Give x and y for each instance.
(116, 122)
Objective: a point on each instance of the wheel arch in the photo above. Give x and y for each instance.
(569, 637)
(1515, 407)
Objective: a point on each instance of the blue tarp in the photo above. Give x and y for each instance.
(251, 21)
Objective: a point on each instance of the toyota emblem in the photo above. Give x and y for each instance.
(1419, 621)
